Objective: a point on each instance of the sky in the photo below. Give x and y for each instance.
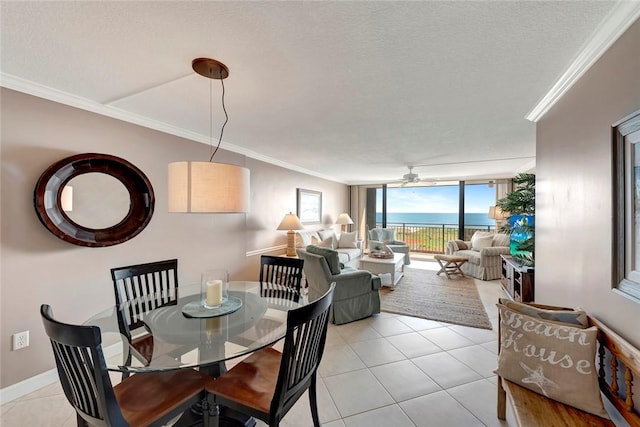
(440, 199)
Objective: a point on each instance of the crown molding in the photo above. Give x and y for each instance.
(528, 167)
(31, 88)
(617, 21)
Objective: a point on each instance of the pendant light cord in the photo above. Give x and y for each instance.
(226, 116)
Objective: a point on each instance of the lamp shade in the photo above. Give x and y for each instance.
(290, 222)
(344, 219)
(497, 213)
(206, 187)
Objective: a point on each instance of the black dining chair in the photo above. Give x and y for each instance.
(138, 289)
(268, 383)
(281, 277)
(145, 399)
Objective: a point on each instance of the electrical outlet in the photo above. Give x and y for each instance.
(20, 340)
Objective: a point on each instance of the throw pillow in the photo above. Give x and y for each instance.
(325, 234)
(305, 238)
(326, 243)
(462, 246)
(329, 254)
(348, 240)
(552, 359)
(577, 317)
(479, 241)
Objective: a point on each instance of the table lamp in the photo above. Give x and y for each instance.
(343, 220)
(498, 214)
(290, 222)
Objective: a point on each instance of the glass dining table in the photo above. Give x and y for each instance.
(180, 341)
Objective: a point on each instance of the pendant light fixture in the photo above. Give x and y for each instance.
(208, 187)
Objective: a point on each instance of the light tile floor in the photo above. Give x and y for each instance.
(386, 370)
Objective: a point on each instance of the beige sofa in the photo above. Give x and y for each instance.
(349, 248)
(482, 253)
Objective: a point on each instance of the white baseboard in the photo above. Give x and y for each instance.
(266, 250)
(27, 386)
(17, 390)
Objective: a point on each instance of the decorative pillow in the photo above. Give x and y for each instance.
(348, 240)
(481, 240)
(305, 238)
(325, 234)
(462, 246)
(552, 359)
(574, 317)
(326, 243)
(329, 254)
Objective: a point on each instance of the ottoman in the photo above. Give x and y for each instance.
(450, 265)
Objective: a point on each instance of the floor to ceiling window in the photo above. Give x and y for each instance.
(427, 216)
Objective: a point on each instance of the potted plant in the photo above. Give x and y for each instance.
(521, 205)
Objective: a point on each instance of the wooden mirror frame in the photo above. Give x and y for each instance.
(48, 192)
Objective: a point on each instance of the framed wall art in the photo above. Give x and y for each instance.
(626, 206)
(309, 206)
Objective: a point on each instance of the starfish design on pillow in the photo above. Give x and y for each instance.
(536, 376)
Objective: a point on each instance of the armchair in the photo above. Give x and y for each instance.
(482, 253)
(356, 295)
(387, 237)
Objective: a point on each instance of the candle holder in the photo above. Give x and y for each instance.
(214, 288)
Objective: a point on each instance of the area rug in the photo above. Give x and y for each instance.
(422, 293)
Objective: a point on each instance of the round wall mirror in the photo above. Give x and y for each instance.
(94, 200)
(97, 200)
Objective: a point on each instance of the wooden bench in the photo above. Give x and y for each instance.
(618, 364)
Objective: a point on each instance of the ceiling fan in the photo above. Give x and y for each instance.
(410, 177)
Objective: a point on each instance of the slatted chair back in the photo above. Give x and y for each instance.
(268, 383)
(141, 288)
(281, 276)
(83, 371)
(303, 347)
(143, 400)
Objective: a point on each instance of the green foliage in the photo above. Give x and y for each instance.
(521, 201)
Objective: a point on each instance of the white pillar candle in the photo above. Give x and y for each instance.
(214, 293)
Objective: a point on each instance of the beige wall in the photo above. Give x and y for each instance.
(37, 267)
(574, 189)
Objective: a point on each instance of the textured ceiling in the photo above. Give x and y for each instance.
(352, 91)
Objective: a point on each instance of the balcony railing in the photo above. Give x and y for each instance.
(432, 238)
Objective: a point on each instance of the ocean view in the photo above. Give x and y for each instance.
(436, 218)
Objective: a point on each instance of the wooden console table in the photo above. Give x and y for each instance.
(517, 280)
